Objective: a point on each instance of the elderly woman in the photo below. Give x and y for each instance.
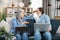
(19, 21)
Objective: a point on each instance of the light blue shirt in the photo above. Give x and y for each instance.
(44, 19)
(15, 23)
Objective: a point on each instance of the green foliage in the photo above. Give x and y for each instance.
(2, 16)
(29, 3)
(2, 32)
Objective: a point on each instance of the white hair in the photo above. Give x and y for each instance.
(19, 12)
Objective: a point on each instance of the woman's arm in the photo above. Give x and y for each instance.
(25, 22)
(48, 21)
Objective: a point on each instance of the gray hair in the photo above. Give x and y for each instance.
(19, 12)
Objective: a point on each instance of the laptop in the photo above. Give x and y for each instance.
(41, 27)
(58, 31)
(21, 29)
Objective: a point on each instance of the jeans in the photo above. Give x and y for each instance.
(21, 37)
(37, 35)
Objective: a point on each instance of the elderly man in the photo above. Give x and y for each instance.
(19, 21)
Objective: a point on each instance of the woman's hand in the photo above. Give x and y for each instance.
(25, 22)
(49, 29)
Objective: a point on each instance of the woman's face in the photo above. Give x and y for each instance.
(22, 15)
(38, 12)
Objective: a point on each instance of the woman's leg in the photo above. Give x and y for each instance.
(24, 36)
(47, 36)
(37, 35)
(18, 36)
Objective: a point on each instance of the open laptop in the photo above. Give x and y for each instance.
(21, 29)
(41, 26)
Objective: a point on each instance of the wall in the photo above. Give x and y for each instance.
(36, 3)
(58, 11)
(52, 10)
